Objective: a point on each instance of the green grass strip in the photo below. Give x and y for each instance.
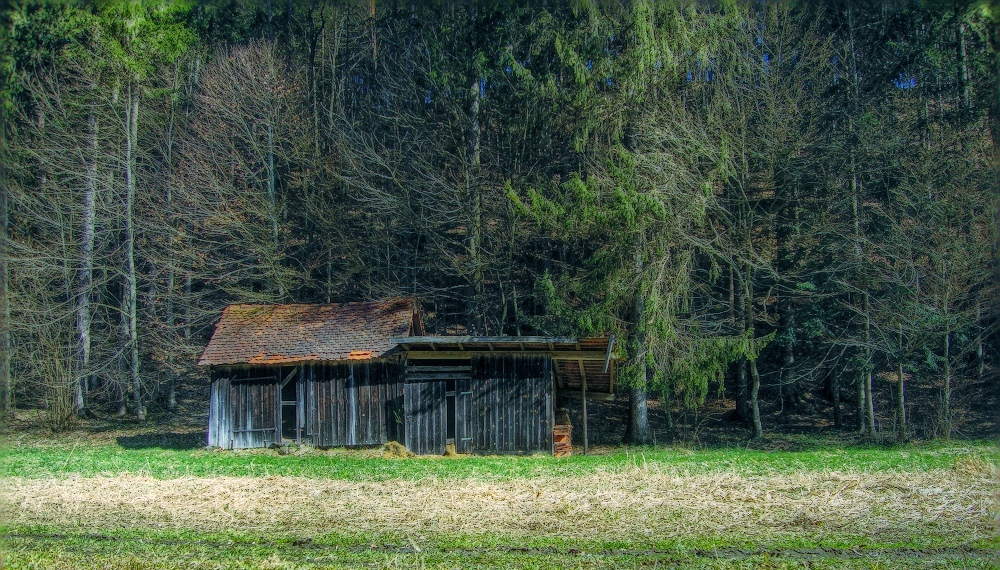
(86, 459)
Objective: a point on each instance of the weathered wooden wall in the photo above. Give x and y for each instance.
(509, 404)
(350, 403)
(426, 417)
(244, 408)
(220, 431)
(503, 404)
(353, 403)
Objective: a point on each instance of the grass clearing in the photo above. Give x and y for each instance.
(23, 457)
(80, 503)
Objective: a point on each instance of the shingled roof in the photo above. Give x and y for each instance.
(285, 334)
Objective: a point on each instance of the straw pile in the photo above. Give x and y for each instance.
(630, 504)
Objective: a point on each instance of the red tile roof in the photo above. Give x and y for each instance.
(283, 334)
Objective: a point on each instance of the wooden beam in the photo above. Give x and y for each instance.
(607, 357)
(582, 355)
(255, 379)
(290, 376)
(418, 354)
(593, 396)
(586, 441)
(483, 339)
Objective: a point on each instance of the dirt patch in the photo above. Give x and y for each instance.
(633, 504)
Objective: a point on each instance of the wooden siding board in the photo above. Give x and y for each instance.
(355, 403)
(425, 417)
(510, 405)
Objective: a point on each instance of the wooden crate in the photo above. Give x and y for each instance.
(562, 440)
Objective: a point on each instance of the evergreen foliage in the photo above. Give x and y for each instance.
(774, 200)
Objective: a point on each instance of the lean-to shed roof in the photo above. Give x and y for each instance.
(285, 334)
(575, 360)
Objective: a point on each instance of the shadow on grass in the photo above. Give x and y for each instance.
(165, 440)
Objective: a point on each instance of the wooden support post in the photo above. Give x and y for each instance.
(583, 377)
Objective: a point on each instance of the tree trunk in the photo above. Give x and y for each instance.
(476, 209)
(946, 391)
(638, 432)
(980, 354)
(85, 275)
(272, 202)
(788, 385)
(901, 392)
(838, 420)
(132, 127)
(6, 380)
(869, 399)
(748, 292)
(758, 429)
(963, 68)
(171, 271)
(738, 311)
(860, 381)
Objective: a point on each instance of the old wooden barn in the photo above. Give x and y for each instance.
(357, 374)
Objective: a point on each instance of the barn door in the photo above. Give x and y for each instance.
(256, 413)
(425, 415)
(465, 415)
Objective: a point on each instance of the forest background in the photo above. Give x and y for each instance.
(763, 201)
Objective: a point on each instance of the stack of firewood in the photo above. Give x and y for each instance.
(562, 438)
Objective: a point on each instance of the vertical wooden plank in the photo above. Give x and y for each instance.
(351, 389)
(375, 376)
(429, 397)
(329, 405)
(338, 404)
(478, 404)
(309, 397)
(320, 395)
(239, 415)
(370, 405)
(550, 389)
(463, 419)
(300, 404)
(410, 401)
(213, 414)
(586, 441)
(280, 410)
(332, 389)
(495, 405)
(334, 405)
(507, 419)
(511, 366)
(360, 403)
(489, 401)
(227, 407)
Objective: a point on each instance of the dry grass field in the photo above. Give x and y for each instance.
(119, 494)
(936, 507)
